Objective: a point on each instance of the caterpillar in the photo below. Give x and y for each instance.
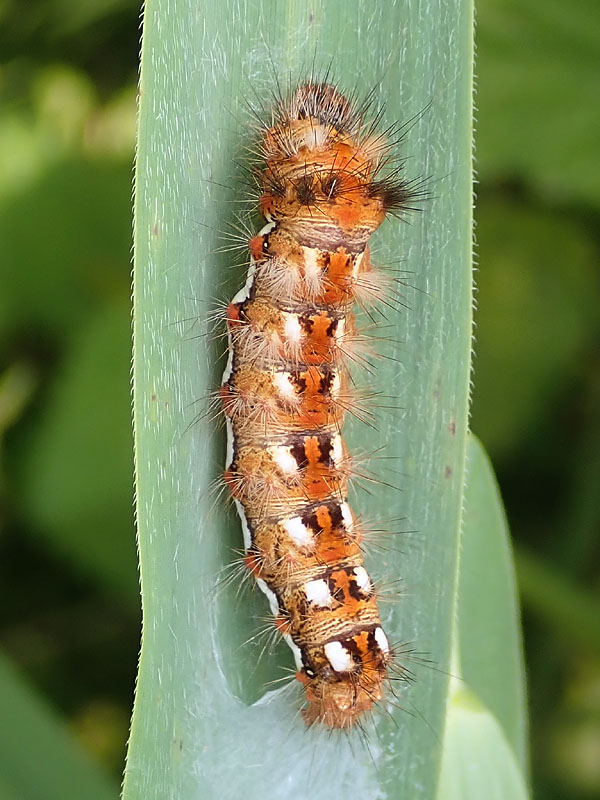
(325, 186)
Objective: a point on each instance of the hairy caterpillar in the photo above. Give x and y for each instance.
(324, 188)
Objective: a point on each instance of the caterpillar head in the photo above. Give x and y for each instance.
(329, 167)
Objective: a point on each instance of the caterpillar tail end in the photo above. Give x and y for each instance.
(341, 704)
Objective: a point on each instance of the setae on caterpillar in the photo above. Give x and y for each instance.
(323, 191)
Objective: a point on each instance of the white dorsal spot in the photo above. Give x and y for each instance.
(293, 329)
(347, 516)
(337, 450)
(317, 592)
(381, 640)
(336, 385)
(298, 531)
(311, 267)
(284, 386)
(356, 265)
(339, 657)
(285, 460)
(362, 579)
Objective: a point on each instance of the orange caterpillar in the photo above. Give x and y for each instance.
(286, 388)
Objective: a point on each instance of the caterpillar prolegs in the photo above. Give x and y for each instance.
(325, 186)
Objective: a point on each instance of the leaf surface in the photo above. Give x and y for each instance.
(203, 725)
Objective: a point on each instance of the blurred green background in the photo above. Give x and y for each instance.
(69, 606)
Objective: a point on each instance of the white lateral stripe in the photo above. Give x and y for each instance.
(245, 528)
(229, 365)
(295, 650)
(244, 292)
(271, 596)
(230, 442)
(268, 228)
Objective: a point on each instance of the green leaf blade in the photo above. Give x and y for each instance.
(478, 761)
(485, 751)
(195, 733)
(489, 634)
